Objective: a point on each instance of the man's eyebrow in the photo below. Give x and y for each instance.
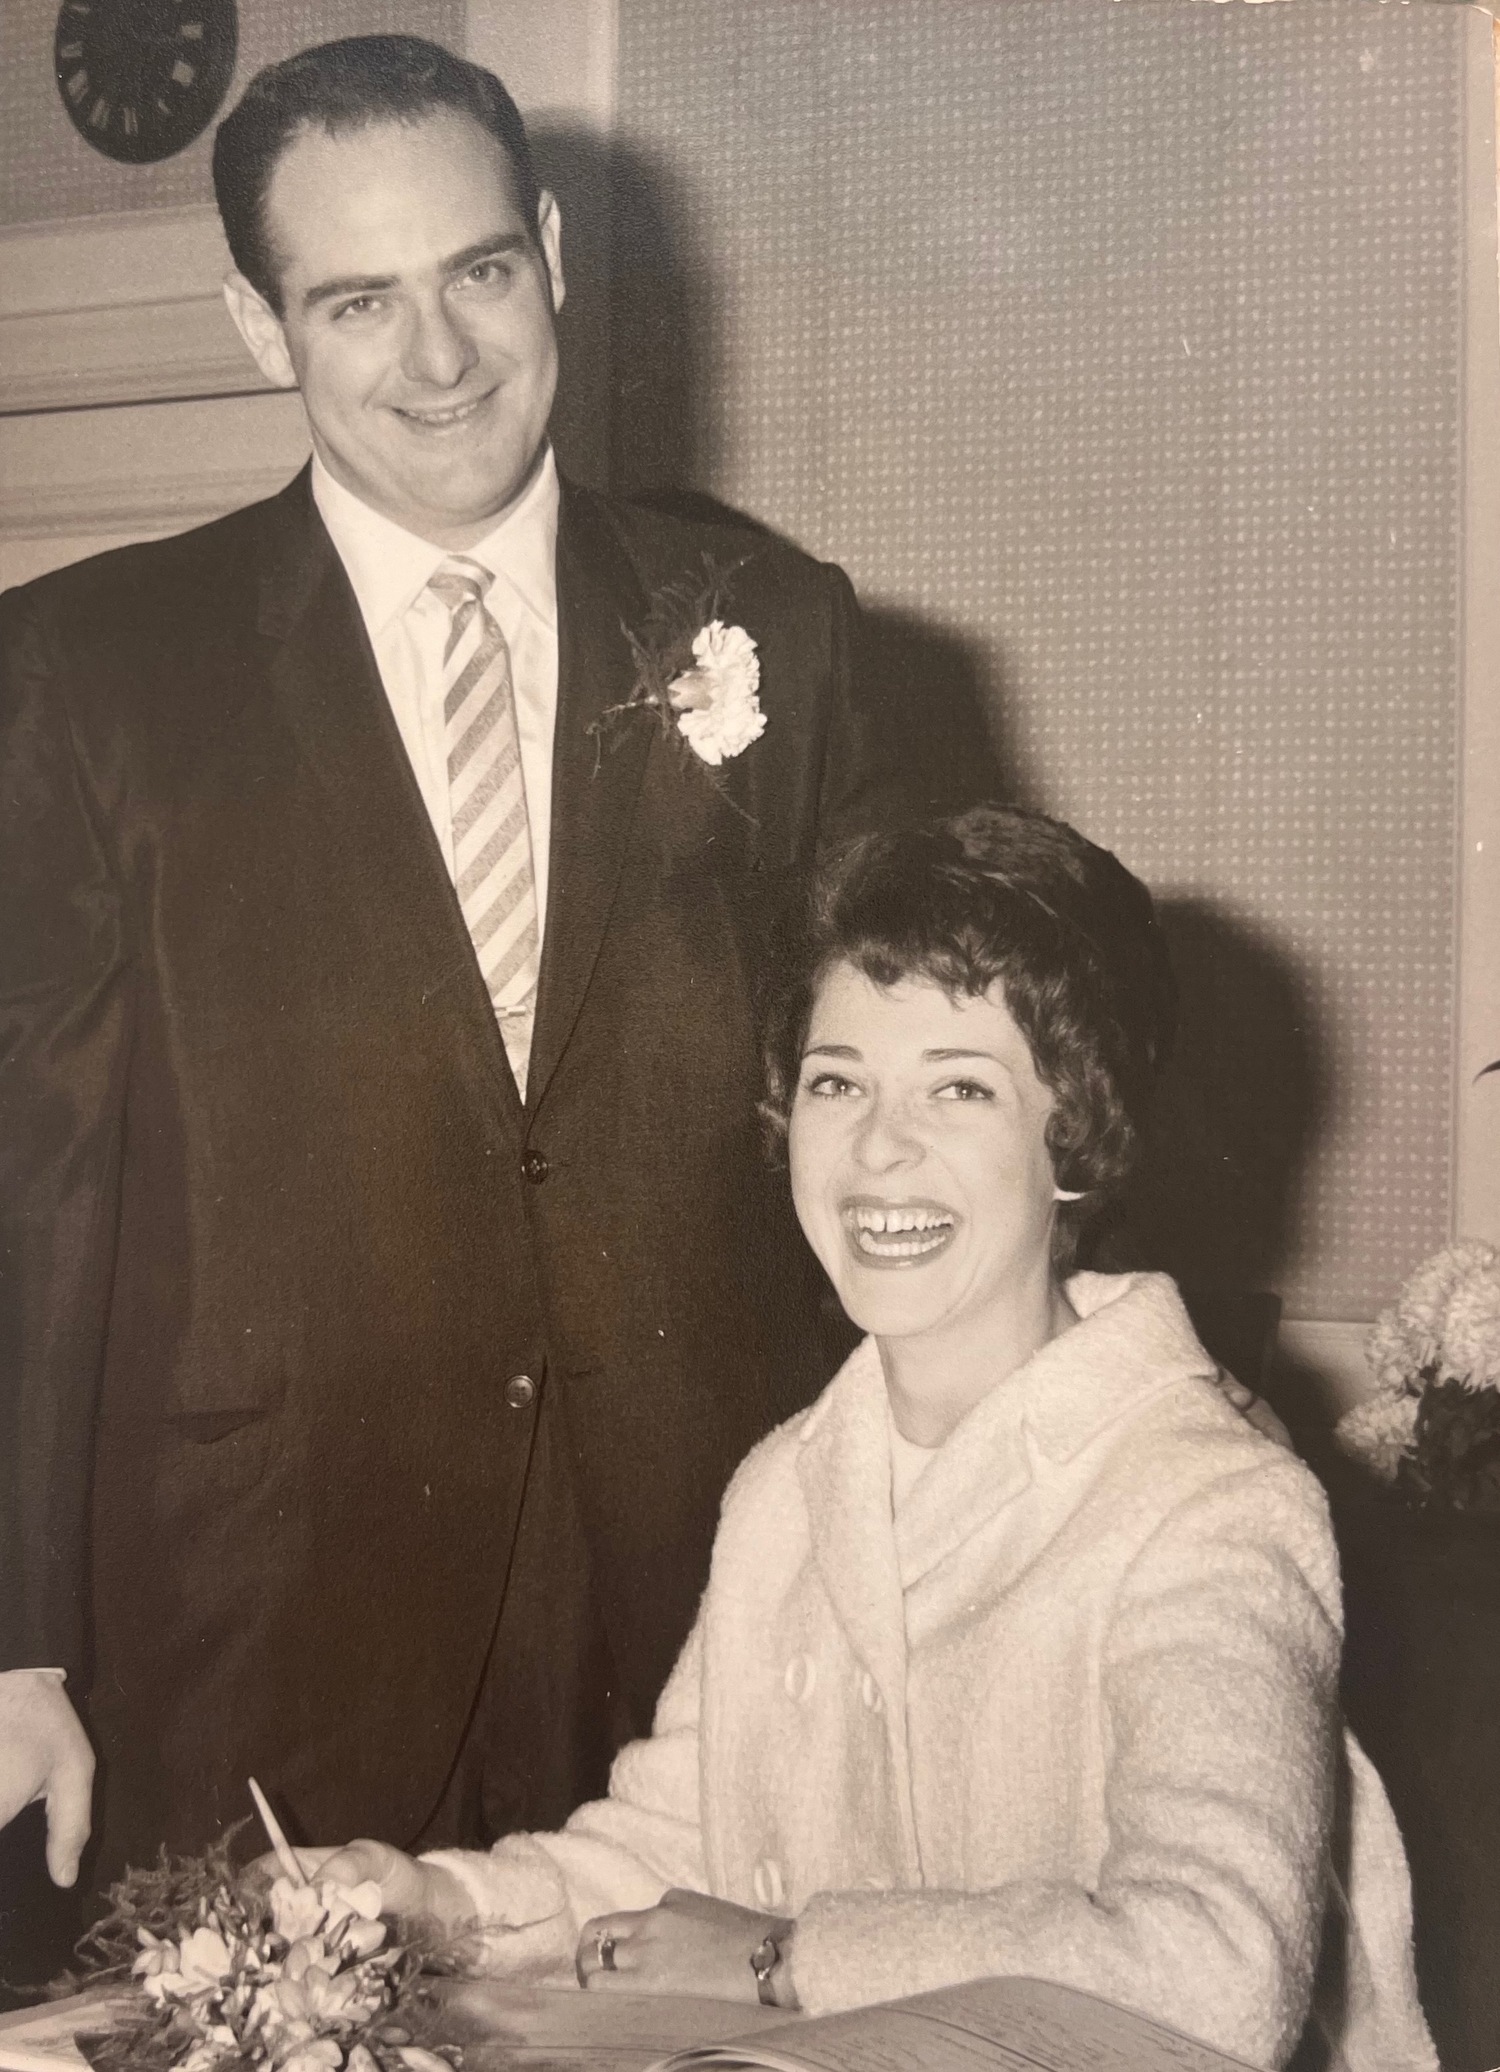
(498, 247)
(347, 284)
(501, 245)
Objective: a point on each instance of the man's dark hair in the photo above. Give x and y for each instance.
(339, 87)
(1001, 896)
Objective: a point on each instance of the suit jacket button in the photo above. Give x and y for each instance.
(534, 1166)
(520, 1392)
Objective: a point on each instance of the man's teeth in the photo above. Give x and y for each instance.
(442, 417)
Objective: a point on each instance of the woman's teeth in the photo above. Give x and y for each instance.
(899, 1233)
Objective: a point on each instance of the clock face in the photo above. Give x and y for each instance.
(141, 78)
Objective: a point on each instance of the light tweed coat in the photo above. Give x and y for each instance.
(1073, 1715)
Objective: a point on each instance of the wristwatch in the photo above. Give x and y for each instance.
(764, 1959)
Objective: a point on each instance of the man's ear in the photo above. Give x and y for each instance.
(261, 329)
(549, 230)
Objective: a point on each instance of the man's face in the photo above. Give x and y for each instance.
(417, 318)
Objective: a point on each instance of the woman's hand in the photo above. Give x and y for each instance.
(688, 1943)
(409, 1891)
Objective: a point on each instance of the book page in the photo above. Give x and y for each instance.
(40, 2039)
(991, 2025)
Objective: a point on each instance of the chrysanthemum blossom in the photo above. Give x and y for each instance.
(1391, 1355)
(1379, 1432)
(1471, 1329)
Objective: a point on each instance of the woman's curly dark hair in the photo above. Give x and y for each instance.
(1000, 896)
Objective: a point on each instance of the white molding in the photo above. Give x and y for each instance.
(146, 352)
(111, 260)
(168, 503)
(117, 309)
(1476, 1205)
(1326, 1361)
(145, 468)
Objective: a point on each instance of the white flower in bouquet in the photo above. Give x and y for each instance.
(1391, 1356)
(1379, 1432)
(1471, 1328)
(1436, 1347)
(718, 711)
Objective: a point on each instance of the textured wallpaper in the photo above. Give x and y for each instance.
(1116, 352)
(47, 170)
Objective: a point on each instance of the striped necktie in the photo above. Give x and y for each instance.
(492, 871)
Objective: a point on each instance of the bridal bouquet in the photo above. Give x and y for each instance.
(1432, 1428)
(233, 1975)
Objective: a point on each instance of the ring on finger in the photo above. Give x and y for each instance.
(604, 1947)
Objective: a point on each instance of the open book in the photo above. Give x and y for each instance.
(992, 2025)
(989, 2025)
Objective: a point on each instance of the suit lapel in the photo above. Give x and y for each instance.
(595, 785)
(326, 683)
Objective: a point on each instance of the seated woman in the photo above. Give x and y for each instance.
(1020, 1649)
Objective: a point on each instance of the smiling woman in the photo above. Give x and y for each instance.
(931, 1132)
(1019, 1655)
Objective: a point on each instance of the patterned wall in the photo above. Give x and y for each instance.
(46, 170)
(1115, 351)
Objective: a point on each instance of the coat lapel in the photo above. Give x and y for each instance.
(844, 1468)
(595, 785)
(1133, 1339)
(324, 678)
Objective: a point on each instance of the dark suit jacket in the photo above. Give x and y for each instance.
(276, 1228)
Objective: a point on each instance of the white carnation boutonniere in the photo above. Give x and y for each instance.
(697, 675)
(718, 711)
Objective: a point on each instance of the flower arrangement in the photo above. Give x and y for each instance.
(1432, 1428)
(696, 675)
(233, 1974)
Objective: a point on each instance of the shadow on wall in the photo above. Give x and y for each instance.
(642, 368)
(1243, 1097)
(641, 365)
(637, 329)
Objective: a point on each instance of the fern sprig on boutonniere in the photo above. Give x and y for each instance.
(697, 676)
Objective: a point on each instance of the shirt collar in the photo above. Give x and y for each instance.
(389, 567)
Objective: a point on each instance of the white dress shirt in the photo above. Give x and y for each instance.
(390, 568)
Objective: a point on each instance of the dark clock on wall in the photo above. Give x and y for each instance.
(142, 78)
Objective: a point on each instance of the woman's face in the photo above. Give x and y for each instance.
(918, 1151)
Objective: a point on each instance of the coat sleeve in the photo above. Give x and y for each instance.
(531, 1894)
(1218, 1684)
(64, 1043)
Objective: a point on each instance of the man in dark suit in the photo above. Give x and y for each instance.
(392, 1274)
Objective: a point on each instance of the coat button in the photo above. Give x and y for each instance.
(770, 1890)
(520, 1392)
(801, 1675)
(534, 1166)
(869, 1690)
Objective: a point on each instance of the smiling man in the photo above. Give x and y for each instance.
(394, 1277)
